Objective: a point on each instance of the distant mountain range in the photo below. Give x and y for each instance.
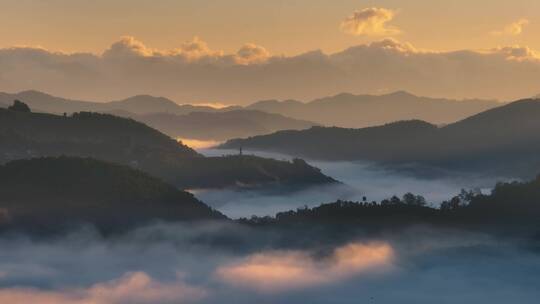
(126, 141)
(140, 104)
(218, 126)
(343, 110)
(47, 194)
(503, 139)
(178, 121)
(357, 111)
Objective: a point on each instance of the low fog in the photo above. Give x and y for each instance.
(359, 179)
(227, 263)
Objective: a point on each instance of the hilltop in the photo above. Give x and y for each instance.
(504, 139)
(45, 194)
(126, 141)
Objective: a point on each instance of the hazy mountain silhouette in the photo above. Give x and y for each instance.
(126, 141)
(48, 193)
(140, 104)
(356, 111)
(502, 139)
(218, 125)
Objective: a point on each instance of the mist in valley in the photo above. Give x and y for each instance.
(360, 179)
(228, 263)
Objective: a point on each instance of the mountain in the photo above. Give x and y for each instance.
(373, 143)
(126, 141)
(177, 121)
(140, 104)
(219, 126)
(503, 139)
(48, 193)
(358, 111)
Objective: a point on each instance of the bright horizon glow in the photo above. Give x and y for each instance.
(198, 144)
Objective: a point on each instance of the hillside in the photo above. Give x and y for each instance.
(140, 104)
(503, 139)
(509, 207)
(219, 126)
(126, 141)
(358, 111)
(374, 143)
(49, 193)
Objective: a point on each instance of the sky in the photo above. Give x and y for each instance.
(231, 35)
(283, 27)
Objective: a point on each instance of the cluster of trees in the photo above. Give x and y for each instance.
(514, 203)
(460, 201)
(19, 106)
(409, 204)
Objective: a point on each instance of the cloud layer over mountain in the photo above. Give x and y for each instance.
(195, 72)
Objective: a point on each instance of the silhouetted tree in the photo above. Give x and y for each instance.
(394, 200)
(19, 106)
(414, 200)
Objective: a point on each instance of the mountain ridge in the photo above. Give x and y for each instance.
(356, 111)
(126, 141)
(505, 137)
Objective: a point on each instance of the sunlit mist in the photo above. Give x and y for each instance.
(135, 287)
(279, 271)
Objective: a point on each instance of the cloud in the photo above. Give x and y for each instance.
(370, 22)
(286, 270)
(517, 53)
(512, 29)
(196, 49)
(128, 46)
(251, 53)
(193, 71)
(132, 288)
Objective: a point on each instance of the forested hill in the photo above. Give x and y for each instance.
(503, 139)
(25, 134)
(510, 207)
(49, 193)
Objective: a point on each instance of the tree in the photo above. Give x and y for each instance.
(394, 200)
(454, 204)
(414, 200)
(19, 106)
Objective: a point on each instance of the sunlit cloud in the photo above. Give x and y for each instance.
(517, 53)
(132, 288)
(195, 49)
(279, 271)
(251, 53)
(128, 46)
(512, 29)
(370, 22)
(194, 71)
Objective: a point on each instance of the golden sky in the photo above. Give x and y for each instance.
(285, 27)
(240, 51)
